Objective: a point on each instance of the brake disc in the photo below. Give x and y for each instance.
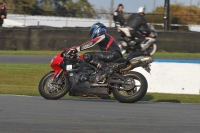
(129, 84)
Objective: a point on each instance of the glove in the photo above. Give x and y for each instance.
(72, 51)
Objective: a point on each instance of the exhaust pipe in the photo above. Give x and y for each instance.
(137, 62)
(147, 59)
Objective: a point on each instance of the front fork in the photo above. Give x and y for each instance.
(57, 76)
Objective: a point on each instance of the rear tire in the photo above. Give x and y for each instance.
(134, 94)
(53, 91)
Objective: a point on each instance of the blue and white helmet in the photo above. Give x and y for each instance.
(97, 29)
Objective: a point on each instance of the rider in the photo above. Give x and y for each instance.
(110, 50)
(136, 21)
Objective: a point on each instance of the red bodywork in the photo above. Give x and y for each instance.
(56, 61)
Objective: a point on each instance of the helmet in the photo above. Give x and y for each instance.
(141, 9)
(97, 29)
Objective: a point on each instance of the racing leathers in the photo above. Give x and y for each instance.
(110, 51)
(137, 21)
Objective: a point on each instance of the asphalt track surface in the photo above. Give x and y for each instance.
(45, 59)
(25, 59)
(23, 114)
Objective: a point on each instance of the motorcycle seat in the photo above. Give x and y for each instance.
(120, 60)
(133, 55)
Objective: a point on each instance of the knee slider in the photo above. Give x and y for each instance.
(87, 57)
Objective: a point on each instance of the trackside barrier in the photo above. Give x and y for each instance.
(49, 38)
(172, 77)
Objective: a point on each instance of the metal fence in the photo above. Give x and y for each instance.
(104, 10)
(23, 20)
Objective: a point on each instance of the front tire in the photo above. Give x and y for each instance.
(53, 90)
(134, 92)
(152, 49)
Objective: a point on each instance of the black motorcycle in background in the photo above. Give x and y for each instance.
(127, 42)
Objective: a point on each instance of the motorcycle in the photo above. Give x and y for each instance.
(127, 42)
(70, 72)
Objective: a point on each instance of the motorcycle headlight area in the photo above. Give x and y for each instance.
(70, 63)
(69, 67)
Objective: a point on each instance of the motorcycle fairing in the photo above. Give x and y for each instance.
(55, 63)
(126, 30)
(84, 88)
(148, 42)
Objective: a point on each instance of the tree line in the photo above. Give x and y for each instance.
(179, 14)
(70, 8)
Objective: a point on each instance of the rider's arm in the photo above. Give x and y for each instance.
(146, 27)
(91, 43)
(115, 15)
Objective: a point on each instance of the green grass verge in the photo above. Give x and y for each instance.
(156, 55)
(177, 55)
(23, 79)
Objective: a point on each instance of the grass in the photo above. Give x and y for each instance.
(156, 55)
(23, 79)
(177, 55)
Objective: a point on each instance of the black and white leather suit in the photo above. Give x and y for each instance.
(110, 51)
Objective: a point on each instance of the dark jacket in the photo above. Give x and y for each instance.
(108, 44)
(118, 16)
(2, 12)
(136, 21)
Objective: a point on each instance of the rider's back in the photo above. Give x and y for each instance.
(135, 21)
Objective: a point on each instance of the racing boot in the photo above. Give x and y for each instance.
(107, 72)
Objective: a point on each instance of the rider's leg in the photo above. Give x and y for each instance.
(139, 40)
(98, 58)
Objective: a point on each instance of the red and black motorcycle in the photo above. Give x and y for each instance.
(70, 72)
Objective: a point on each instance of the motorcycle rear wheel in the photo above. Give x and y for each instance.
(53, 90)
(134, 92)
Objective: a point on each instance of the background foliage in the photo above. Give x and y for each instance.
(179, 13)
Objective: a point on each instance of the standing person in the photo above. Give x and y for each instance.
(3, 13)
(136, 21)
(118, 16)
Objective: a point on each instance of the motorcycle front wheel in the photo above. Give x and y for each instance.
(152, 49)
(49, 88)
(133, 91)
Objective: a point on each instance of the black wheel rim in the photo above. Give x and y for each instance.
(54, 88)
(130, 90)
